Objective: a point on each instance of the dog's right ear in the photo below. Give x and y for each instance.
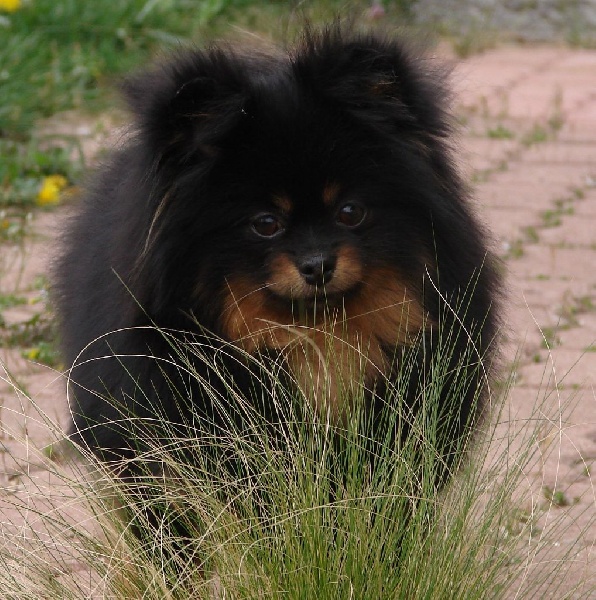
(188, 106)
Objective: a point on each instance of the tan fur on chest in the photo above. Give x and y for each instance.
(329, 352)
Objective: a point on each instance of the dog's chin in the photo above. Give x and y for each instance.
(318, 302)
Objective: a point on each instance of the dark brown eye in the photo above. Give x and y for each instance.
(351, 214)
(267, 225)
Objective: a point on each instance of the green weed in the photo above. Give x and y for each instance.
(555, 497)
(11, 300)
(536, 135)
(515, 250)
(550, 339)
(531, 234)
(36, 336)
(500, 133)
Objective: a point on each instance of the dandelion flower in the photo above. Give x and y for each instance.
(10, 6)
(33, 353)
(51, 187)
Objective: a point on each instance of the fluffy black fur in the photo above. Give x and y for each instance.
(251, 188)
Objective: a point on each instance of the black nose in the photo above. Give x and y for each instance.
(317, 269)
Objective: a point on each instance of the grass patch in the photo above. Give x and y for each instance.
(35, 335)
(531, 234)
(536, 135)
(307, 519)
(59, 55)
(515, 249)
(34, 173)
(550, 339)
(500, 133)
(11, 300)
(551, 218)
(56, 55)
(474, 41)
(555, 497)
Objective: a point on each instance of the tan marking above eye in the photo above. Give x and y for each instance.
(330, 193)
(283, 203)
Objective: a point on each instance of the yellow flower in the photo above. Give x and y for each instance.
(10, 6)
(33, 353)
(51, 187)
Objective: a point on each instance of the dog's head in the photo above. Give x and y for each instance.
(290, 189)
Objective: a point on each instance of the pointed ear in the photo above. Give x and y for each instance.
(187, 106)
(380, 76)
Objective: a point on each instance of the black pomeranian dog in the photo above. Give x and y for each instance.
(301, 206)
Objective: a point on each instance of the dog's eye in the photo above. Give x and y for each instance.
(267, 225)
(351, 214)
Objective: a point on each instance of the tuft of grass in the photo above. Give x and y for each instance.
(555, 497)
(515, 249)
(11, 300)
(500, 133)
(551, 218)
(474, 41)
(36, 335)
(310, 518)
(531, 234)
(537, 135)
(550, 339)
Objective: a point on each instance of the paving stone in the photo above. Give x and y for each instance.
(584, 60)
(563, 178)
(586, 207)
(580, 123)
(581, 338)
(526, 318)
(563, 153)
(519, 193)
(584, 118)
(483, 153)
(560, 295)
(563, 368)
(506, 223)
(573, 265)
(482, 75)
(551, 94)
(574, 230)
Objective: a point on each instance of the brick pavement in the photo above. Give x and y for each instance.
(529, 149)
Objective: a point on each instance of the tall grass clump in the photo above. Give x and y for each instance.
(307, 507)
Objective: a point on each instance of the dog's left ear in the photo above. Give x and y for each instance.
(379, 78)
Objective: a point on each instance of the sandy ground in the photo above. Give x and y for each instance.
(528, 145)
